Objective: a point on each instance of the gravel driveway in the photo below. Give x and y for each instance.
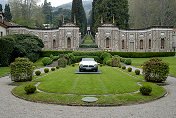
(12, 107)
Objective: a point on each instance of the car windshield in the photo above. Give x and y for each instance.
(88, 59)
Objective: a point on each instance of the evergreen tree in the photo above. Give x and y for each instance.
(47, 11)
(7, 13)
(80, 15)
(109, 9)
(1, 8)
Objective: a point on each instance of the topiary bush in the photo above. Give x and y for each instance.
(129, 69)
(115, 61)
(128, 61)
(137, 71)
(155, 70)
(46, 61)
(120, 66)
(53, 69)
(57, 67)
(123, 67)
(108, 62)
(62, 62)
(54, 58)
(30, 89)
(21, 70)
(46, 70)
(38, 73)
(145, 90)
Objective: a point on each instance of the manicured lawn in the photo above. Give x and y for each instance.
(171, 60)
(88, 40)
(110, 82)
(4, 71)
(39, 63)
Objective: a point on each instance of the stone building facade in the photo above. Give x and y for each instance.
(154, 39)
(66, 37)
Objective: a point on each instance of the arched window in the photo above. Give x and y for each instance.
(123, 44)
(54, 43)
(141, 44)
(162, 43)
(150, 44)
(68, 43)
(107, 43)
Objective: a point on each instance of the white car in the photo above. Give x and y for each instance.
(88, 64)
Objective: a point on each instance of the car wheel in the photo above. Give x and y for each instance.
(80, 70)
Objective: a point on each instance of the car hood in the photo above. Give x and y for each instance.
(88, 63)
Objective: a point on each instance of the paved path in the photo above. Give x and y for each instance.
(12, 107)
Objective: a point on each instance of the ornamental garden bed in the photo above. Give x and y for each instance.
(112, 87)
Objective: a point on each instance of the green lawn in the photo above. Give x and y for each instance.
(4, 71)
(39, 63)
(110, 82)
(88, 40)
(171, 60)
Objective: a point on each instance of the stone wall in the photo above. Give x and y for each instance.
(154, 39)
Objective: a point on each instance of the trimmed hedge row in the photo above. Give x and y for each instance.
(143, 54)
(54, 53)
(88, 53)
(88, 46)
(79, 58)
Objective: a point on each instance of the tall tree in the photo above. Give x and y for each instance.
(107, 9)
(1, 8)
(47, 11)
(79, 14)
(7, 13)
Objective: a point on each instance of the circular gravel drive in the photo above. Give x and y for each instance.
(12, 107)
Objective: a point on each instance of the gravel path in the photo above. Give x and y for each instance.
(12, 107)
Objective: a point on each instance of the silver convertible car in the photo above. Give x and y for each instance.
(88, 64)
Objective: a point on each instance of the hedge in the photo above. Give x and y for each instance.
(87, 53)
(54, 53)
(88, 46)
(79, 58)
(143, 54)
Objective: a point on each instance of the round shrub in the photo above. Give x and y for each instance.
(62, 62)
(46, 61)
(46, 70)
(73, 65)
(57, 67)
(155, 70)
(53, 69)
(120, 66)
(108, 62)
(21, 70)
(145, 90)
(128, 61)
(129, 69)
(137, 71)
(123, 67)
(30, 89)
(37, 73)
(115, 61)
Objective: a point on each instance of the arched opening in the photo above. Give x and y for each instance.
(69, 43)
(123, 44)
(107, 43)
(54, 44)
(150, 44)
(162, 43)
(141, 44)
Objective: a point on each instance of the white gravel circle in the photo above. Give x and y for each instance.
(12, 107)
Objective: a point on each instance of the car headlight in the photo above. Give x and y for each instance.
(81, 65)
(95, 65)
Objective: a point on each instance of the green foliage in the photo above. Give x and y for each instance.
(54, 58)
(21, 70)
(123, 67)
(53, 69)
(129, 69)
(71, 58)
(137, 71)
(105, 56)
(155, 70)
(7, 13)
(46, 61)
(46, 70)
(142, 54)
(6, 49)
(108, 62)
(128, 61)
(73, 65)
(87, 53)
(79, 58)
(54, 53)
(120, 66)
(62, 62)
(115, 61)
(33, 56)
(57, 67)
(101, 65)
(88, 46)
(38, 72)
(30, 89)
(145, 90)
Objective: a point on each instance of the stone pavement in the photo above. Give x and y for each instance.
(12, 107)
